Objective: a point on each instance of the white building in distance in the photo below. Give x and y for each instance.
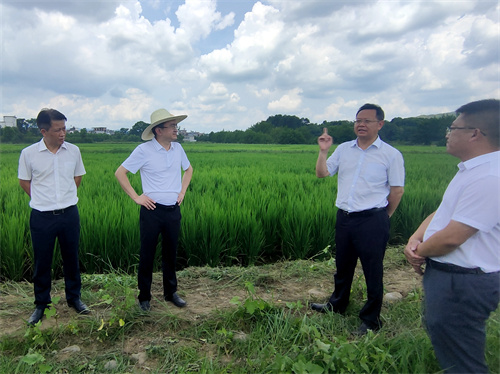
(8, 121)
(189, 136)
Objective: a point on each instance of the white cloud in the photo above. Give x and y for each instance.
(116, 61)
(88, 11)
(287, 103)
(199, 17)
(249, 56)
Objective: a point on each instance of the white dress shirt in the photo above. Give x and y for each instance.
(472, 198)
(52, 175)
(365, 177)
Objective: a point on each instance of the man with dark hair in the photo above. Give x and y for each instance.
(160, 161)
(370, 187)
(50, 172)
(460, 243)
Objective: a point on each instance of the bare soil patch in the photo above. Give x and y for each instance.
(206, 290)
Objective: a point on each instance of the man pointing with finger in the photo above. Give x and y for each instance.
(370, 186)
(160, 161)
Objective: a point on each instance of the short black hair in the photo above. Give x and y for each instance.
(46, 116)
(485, 115)
(380, 113)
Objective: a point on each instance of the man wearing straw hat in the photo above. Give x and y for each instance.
(159, 160)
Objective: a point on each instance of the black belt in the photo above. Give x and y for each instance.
(57, 211)
(450, 268)
(167, 207)
(361, 213)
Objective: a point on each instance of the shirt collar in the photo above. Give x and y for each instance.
(43, 147)
(479, 160)
(377, 143)
(159, 147)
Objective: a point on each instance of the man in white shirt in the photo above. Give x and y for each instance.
(50, 172)
(160, 161)
(370, 186)
(460, 243)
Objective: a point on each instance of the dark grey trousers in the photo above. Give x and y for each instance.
(456, 308)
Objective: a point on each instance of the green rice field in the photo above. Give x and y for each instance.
(246, 204)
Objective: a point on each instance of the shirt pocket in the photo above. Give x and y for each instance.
(375, 173)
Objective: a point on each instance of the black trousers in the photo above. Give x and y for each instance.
(361, 235)
(164, 220)
(45, 227)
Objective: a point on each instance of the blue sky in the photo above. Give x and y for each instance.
(230, 64)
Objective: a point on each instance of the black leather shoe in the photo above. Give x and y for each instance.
(363, 330)
(145, 306)
(322, 308)
(80, 307)
(178, 302)
(36, 316)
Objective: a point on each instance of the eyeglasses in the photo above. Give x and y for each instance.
(172, 126)
(364, 121)
(449, 129)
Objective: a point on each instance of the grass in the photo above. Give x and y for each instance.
(252, 319)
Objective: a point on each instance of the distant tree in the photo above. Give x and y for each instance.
(278, 129)
(225, 136)
(310, 132)
(204, 137)
(263, 127)
(33, 128)
(439, 129)
(138, 128)
(342, 133)
(10, 135)
(255, 137)
(84, 136)
(423, 131)
(390, 132)
(292, 122)
(284, 135)
(22, 125)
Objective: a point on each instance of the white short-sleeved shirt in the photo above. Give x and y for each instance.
(160, 170)
(472, 198)
(365, 177)
(52, 175)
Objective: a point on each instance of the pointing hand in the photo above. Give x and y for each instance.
(325, 141)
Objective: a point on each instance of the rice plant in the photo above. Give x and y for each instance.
(247, 204)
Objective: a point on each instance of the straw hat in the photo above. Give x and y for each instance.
(158, 117)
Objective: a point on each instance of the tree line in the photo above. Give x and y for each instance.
(277, 129)
(285, 129)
